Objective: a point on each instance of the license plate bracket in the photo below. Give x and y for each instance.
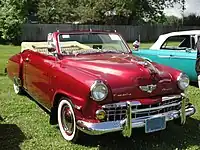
(155, 124)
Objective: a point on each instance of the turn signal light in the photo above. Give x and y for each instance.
(100, 114)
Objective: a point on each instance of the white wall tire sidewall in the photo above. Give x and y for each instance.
(199, 81)
(66, 137)
(16, 89)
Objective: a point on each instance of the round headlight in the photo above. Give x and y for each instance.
(99, 91)
(183, 81)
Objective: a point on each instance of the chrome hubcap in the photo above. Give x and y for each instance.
(67, 120)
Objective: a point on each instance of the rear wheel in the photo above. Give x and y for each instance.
(67, 121)
(17, 89)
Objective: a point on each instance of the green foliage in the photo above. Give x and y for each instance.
(191, 20)
(57, 11)
(12, 16)
(103, 11)
(132, 11)
(172, 20)
(93, 11)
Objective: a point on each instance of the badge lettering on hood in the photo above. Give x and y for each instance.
(148, 88)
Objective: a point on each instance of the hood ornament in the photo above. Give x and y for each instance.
(148, 88)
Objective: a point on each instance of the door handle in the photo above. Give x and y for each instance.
(27, 60)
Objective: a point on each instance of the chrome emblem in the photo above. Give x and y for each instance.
(148, 88)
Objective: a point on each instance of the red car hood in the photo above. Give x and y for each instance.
(126, 75)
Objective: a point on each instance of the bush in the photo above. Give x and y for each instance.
(12, 16)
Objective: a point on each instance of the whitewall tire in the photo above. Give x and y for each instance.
(67, 120)
(199, 81)
(18, 90)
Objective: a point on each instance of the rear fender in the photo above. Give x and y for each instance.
(15, 69)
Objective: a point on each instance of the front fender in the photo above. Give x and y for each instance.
(83, 107)
(74, 99)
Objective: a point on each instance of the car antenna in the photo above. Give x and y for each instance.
(139, 38)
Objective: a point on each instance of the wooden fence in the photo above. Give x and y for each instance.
(38, 32)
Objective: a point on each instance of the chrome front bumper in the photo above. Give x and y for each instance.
(128, 123)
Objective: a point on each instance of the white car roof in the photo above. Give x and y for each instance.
(162, 38)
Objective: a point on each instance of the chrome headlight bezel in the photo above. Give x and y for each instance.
(183, 81)
(98, 84)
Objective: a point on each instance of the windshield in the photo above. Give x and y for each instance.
(84, 43)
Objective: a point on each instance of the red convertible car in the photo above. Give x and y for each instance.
(91, 83)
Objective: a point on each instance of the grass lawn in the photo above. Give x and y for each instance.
(24, 125)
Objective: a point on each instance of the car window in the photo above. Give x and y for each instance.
(179, 43)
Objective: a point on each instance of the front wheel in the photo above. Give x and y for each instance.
(199, 81)
(67, 120)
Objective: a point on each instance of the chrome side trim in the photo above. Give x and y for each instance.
(162, 56)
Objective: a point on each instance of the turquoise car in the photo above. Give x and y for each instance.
(176, 49)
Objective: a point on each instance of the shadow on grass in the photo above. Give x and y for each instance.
(10, 137)
(40, 105)
(3, 74)
(173, 137)
(195, 84)
(1, 119)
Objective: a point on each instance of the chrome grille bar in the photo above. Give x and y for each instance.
(166, 98)
(155, 108)
(121, 104)
(117, 111)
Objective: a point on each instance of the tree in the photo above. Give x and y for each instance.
(135, 11)
(182, 2)
(12, 16)
(191, 20)
(103, 11)
(57, 11)
(172, 20)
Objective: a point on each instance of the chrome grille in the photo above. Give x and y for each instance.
(117, 111)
